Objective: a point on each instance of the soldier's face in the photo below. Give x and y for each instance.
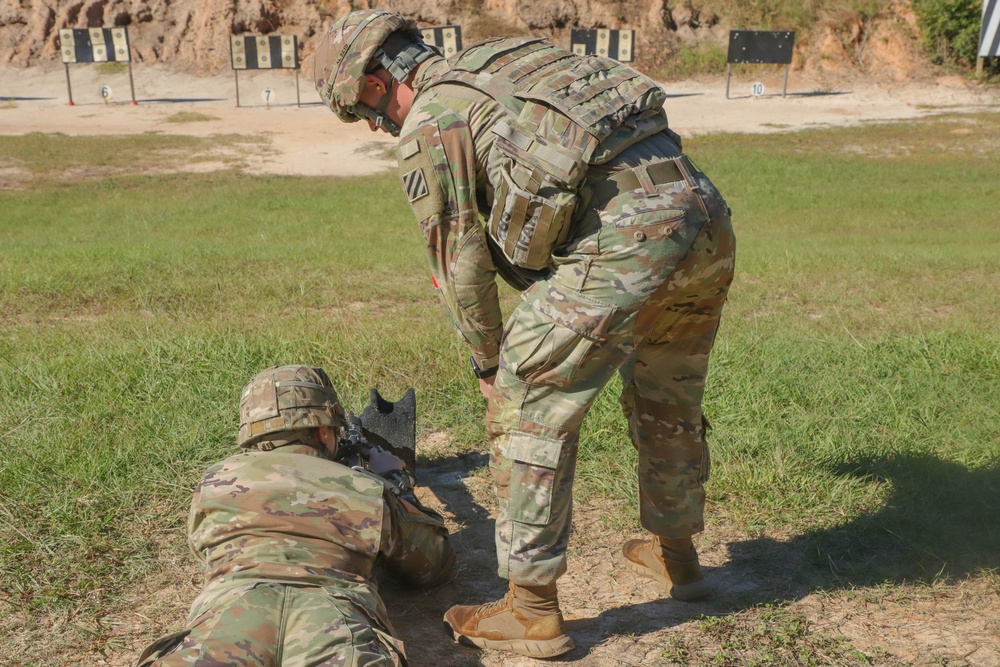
(329, 438)
(400, 98)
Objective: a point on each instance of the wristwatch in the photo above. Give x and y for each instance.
(482, 373)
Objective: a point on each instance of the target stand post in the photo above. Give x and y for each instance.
(69, 88)
(131, 85)
(95, 45)
(264, 52)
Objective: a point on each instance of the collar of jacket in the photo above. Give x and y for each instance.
(427, 70)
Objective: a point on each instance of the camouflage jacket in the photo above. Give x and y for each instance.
(474, 125)
(291, 515)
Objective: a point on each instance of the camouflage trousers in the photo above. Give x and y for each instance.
(639, 290)
(275, 625)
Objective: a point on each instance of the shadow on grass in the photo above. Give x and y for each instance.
(939, 525)
(417, 614)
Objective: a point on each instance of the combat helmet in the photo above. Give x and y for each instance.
(348, 51)
(287, 398)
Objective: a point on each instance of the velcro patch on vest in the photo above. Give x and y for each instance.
(417, 175)
(409, 149)
(414, 184)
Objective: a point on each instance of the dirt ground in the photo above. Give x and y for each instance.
(615, 617)
(308, 139)
(620, 619)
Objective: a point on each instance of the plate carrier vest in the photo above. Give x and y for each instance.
(564, 113)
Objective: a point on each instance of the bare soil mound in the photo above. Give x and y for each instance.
(193, 35)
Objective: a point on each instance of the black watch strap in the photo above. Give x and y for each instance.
(482, 373)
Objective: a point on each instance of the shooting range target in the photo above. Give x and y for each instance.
(617, 44)
(448, 38)
(264, 52)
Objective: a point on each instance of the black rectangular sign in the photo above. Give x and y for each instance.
(760, 46)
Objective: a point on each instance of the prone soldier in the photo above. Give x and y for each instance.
(560, 173)
(289, 539)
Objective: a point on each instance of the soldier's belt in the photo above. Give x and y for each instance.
(644, 177)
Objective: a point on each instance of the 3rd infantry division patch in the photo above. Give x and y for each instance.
(414, 184)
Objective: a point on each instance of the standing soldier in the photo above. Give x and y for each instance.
(289, 538)
(624, 253)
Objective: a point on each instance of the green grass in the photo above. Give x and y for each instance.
(57, 162)
(703, 58)
(765, 636)
(190, 117)
(111, 68)
(854, 390)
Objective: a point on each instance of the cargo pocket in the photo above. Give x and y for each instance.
(534, 462)
(671, 206)
(368, 623)
(552, 333)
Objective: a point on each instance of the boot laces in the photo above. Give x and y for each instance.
(496, 605)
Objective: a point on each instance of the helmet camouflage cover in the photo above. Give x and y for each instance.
(342, 58)
(287, 398)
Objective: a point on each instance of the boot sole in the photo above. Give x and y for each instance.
(533, 648)
(683, 592)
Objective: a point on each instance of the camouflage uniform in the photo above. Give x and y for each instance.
(289, 539)
(635, 281)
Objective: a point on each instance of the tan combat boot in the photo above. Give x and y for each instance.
(526, 621)
(671, 562)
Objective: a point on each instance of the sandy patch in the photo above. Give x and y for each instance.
(309, 140)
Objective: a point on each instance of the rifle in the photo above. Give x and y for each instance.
(384, 426)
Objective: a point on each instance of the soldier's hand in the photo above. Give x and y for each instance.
(381, 462)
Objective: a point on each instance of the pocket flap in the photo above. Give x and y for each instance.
(533, 450)
(588, 319)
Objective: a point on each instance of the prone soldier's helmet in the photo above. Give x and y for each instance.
(354, 47)
(287, 398)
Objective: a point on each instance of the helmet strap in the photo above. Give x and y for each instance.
(381, 117)
(386, 122)
(283, 439)
(383, 102)
(378, 115)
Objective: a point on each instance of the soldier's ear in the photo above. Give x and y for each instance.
(327, 436)
(374, 83)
